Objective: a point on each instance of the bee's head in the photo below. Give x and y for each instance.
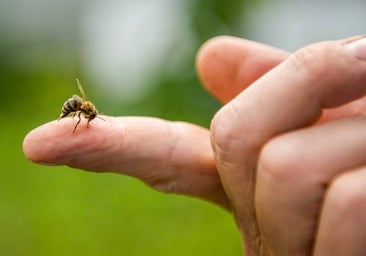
(89, 110)
(93, 115)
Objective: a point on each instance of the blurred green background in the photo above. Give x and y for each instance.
(61, 211)
(134, 58)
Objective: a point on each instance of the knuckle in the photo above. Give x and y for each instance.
(346, 195)
(227, 138)
(223, 129)
(280, 161)
(320, 60)
(311, 59)
(324, 68)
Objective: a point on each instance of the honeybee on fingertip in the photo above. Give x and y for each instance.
(79, 106)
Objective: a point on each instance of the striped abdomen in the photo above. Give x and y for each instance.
(71, 105)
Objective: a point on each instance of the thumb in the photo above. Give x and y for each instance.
(227, 65)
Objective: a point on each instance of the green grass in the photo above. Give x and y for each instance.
(58, 211)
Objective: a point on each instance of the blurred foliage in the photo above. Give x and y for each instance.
(58, 211)
(179, 95)
(211, 18)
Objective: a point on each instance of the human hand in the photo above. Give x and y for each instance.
(172, 157)
(176, 157)
(291, 154)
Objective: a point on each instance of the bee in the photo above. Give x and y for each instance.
(77, 106)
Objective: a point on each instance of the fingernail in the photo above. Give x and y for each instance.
(358, 48)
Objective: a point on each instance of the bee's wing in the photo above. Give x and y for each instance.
(83, 94)
(77, 99)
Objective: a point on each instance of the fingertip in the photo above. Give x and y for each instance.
(227, 65)
(217, 66)
(53, 143)
(27, 146)
(36, 144)
(208, 49)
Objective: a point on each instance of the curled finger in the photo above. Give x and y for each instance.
(295, 172)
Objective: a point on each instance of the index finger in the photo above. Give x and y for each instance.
(172, 157)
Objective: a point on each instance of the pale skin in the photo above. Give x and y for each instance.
(285, 154)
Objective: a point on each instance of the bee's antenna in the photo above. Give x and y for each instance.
(83, 94)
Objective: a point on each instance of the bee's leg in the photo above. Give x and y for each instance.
(89, 119)
(78, 122)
